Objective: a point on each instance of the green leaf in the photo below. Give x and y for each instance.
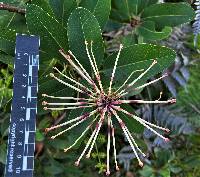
(130, 122)
(62, 9)
(13, 20)
(52, 34)
(7, 40)
(77, 131)
(148, 2)
(147, 171)
(58, 143)
(138, 56)
(7, 59)
(125, 10)
(99, 8)
(147, 31)
(165, 172)
(141, 4)
(163, 157)
(39, 136)
(55, 168)
(18, 23)
(44, 123)
(45, 65)
(122, 10)
(4, 126)
(83, 26)
(50, 86)
(44, 4)
(129, 40)
(3, 152)
(168, 14)
(192, 160)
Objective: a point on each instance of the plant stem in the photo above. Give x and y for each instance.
(11, 8)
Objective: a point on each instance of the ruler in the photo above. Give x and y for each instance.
(21, 138)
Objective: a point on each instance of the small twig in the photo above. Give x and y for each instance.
(11, 8)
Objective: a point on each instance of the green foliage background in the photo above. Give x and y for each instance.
(67, 24)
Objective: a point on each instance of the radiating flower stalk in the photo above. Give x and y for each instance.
(105, 104)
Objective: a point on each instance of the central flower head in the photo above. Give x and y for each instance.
(106, 100)
(105, 104)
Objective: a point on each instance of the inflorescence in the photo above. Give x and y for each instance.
(105, 104)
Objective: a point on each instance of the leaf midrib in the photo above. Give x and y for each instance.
(121, 66)
(46, 27)
(157, 16)
(161, 32)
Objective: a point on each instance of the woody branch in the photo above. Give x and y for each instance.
(12, 8)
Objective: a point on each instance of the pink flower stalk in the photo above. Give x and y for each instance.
(105, 103)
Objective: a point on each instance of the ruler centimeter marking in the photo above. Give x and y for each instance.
(21, 138)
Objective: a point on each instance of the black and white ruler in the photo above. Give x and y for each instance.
(21, 139)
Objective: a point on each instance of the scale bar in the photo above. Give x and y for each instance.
(21, 138)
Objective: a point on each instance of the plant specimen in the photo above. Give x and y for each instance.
(106, 104)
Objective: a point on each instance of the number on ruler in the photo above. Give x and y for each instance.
(23, 108)
(21, 119)
(19, 156)
(18, 170)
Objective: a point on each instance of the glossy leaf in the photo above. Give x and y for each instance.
(99, 8)
(121, 10)
(77, 131)
(141, 4)
(52, 34)
(44, 4)
(3, 152)
(129, 40)
(62, 9)
(124, 10)
(7, 40)
(13, 20)
(83, 26)
(58, 143)
(147, 31)
(39, 136)
(55, 168)
(168, 14)
(7, 59)
(51, 87)
(139, 56)
(130, 122)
